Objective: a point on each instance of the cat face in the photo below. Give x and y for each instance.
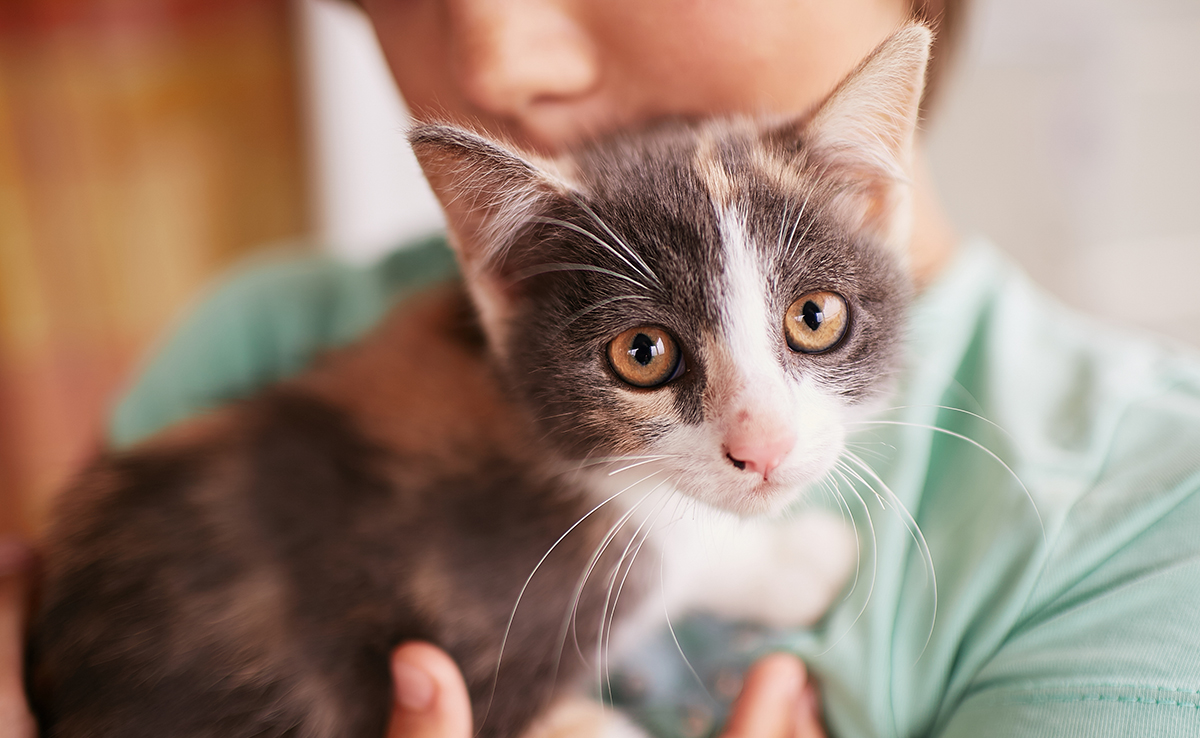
(713, 300)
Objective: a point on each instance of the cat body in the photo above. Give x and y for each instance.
(676, 320)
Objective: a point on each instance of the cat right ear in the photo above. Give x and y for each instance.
(487, 191)
(860, 139)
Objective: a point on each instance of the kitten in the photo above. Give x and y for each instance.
(690, 312)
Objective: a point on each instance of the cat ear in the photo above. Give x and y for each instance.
(487, 191)
(862, 135)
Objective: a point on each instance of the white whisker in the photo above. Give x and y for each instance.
(914, 531)
(977, 416)
(568, 624)
(671, 627)
(790, 243)
(600, 304)
(513, 615)
(585, 232)
(646, 270)
(874, 559)
(568, 267)
(977, 445)
(606, 640)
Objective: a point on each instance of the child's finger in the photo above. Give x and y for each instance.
(808, 714)
(767, 705)
(431, 697)
(16, 561)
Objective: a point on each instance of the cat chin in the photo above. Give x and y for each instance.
(763, 499)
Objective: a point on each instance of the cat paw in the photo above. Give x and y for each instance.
(816, 555)
(783, 574)
(579, 717)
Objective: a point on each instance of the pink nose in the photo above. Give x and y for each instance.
(760, 453)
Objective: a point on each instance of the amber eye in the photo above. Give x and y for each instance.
(645, 356)
(816, 322)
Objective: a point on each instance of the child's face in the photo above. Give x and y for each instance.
(548, 72)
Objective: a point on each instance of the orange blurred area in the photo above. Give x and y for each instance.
(144, 146)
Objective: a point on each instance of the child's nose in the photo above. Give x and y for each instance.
(510, 56)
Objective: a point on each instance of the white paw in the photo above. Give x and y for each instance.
(815, 557)
(782, 573)
(579, 717)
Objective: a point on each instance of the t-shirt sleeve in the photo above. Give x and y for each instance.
(264, 324)
(1109, 644)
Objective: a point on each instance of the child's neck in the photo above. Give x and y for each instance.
(934, 239)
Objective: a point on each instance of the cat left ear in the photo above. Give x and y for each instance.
(487, 191)
(862, 135)
(488, 194)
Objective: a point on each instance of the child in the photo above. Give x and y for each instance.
(1067, 603)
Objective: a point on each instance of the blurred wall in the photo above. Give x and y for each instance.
(144, 146)
(1070, 136)
(368, 192)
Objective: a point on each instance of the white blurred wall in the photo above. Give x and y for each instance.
(369, 194)
(1069, 134)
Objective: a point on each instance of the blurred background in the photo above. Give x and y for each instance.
(146, 146)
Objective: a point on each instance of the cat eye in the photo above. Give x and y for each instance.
(646, 357)
(816, 322)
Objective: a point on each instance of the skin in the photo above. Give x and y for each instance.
(546, 74)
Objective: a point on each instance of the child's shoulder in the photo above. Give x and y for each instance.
(264, 322)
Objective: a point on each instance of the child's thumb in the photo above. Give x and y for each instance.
(431, 699)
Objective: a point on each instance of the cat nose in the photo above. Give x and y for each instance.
(760, 453)
(511, 56)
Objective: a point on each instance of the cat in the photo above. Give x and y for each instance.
(687, 315)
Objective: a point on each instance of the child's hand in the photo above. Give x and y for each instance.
(431, 696)
(777, 701)
(16, 563)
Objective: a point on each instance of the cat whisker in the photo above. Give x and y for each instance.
(977, 416)
(594, 562)
(521, 594)
(874, 557)
(914, 531)
(585, 232)
(976, 444)
(791, 236)
(600, 221)
(569, 267)
(600, 461)
(635, 465)
(866, 449)
(783, 221)
(611, 614)
(662, 579)
(600, 304)
(613, 531)
(830, 483)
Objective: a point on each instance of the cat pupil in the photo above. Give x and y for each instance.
(813, 317)
(645, 349)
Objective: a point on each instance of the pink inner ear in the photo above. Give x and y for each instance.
(758, 438)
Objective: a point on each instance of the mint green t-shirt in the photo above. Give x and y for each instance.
(1057, 508)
